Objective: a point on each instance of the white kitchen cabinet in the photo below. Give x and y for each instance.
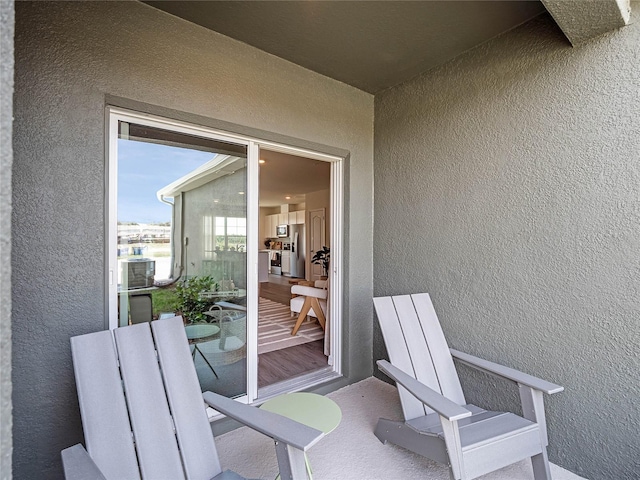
(286, 262)
(268, 253)
(297, 218)
(272, 223)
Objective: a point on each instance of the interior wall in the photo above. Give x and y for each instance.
(506, 186)
(262, 214)
(321, 199)
(6, 160)
(71, 59)
(314, 201)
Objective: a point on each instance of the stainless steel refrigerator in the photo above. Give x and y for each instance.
(296, 233)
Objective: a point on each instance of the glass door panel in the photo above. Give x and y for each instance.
(292, 344)
(182, 243)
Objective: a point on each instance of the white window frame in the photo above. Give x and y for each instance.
(117, 114)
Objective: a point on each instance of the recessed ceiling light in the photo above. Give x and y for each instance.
(216, 200)
(240, 193)
(262, 161)
(287, 198)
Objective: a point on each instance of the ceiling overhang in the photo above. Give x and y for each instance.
(371, 45)
(374, 45)
(586, 19)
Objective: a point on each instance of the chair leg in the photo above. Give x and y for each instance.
(541, 469)
(306, 306)
(318, 311)
(533, 410)
(291, 462)
(204, 358)
(451, 434)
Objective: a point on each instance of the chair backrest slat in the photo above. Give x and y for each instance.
(185, 399)
(439, 349)
(105, 421)
(398, 353)
(156, 442)
(416, 344)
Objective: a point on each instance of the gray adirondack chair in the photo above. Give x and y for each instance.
(439, 424)
(143, 413)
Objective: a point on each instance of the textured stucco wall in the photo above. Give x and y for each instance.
(507, 185)
(69, 57)
(6, 159)
(197, 205)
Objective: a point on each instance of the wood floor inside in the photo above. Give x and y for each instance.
(277, 292)
(289, 362)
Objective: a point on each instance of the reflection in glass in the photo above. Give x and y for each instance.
(182, 238)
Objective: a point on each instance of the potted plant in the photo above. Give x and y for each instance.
(321, 257)
(190, 303)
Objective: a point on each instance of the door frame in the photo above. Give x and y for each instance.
(113, 114)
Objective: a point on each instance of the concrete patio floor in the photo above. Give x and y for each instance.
(352, 452)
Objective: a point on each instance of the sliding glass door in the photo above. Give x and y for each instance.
(180, 226)
(183, 240)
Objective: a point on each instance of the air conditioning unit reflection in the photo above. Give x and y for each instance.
(141, 272)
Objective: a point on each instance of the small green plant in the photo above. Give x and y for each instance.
(321, 257)
(190, 303)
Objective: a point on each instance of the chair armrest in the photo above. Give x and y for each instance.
(309, 291)
(434, 400)
(270, 424)
(78, 465)
(508, 373)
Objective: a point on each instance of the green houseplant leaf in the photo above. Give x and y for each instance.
(321, 257)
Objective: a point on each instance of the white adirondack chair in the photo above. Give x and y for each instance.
(143, 413)
(439, 424)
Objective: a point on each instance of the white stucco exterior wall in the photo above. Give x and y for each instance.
(507, 185)
(73, 57)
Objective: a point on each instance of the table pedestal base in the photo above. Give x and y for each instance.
(196, 349)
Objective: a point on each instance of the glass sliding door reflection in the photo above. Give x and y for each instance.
(182, 242)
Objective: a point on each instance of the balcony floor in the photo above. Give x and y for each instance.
(352, 451)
